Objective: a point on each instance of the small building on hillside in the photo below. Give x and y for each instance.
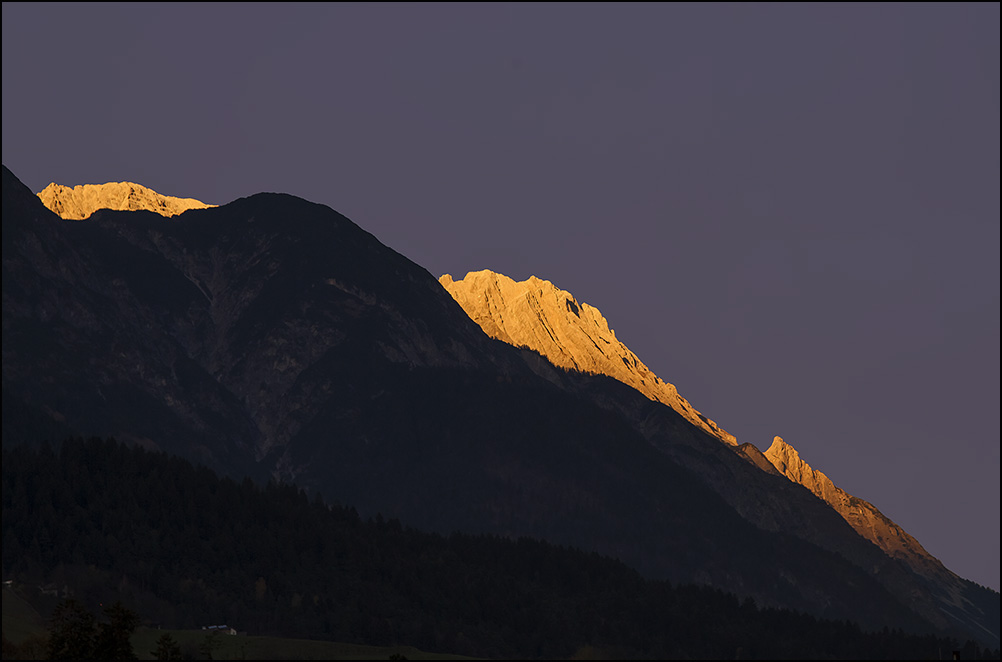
(222, 629)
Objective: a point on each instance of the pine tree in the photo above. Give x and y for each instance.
(113, 637)
(71, 632)
(167, 648)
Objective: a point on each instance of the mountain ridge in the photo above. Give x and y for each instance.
(79, 202)
(537, 314)
(861, 514)
(870, 523)
(272, 335)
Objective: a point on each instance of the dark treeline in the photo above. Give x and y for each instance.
(185, 548)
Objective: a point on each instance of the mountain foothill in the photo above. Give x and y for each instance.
(271, 339)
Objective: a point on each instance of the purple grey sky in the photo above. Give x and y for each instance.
(791, 212)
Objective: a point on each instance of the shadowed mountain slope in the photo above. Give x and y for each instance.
(272, 337)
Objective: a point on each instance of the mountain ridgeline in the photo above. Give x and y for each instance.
(536, 314)
(273, 338)
(548, 320)
(81, 201)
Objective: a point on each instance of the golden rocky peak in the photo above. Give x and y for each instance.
(79, 202)
(573, 335)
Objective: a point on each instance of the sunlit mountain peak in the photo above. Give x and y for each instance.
(537, 314)
(79, 202)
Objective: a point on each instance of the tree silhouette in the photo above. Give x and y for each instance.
(71, 632)
(209, 643)
(167, 648)
(74, 633)
(113, 637)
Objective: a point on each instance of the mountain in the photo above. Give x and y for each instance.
(79, 202)
(863, 516)
(271, 337)
(536, 314)
(953, 593)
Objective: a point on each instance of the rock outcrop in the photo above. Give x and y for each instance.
(79, 202)
(862, 515)
(787, 460)
(873, 525)
(536, 314)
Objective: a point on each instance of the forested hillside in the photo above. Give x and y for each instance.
(184, 548)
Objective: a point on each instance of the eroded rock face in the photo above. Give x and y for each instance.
(787, 460)
(79, 202)
(536, 314)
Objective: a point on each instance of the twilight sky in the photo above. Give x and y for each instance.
(791, 212)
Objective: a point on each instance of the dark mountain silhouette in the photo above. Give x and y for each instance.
(272, 337)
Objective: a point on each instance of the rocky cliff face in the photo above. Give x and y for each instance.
(80, 202)
(789, 463)
(536, 314)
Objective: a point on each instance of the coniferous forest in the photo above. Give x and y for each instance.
(184, 548)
